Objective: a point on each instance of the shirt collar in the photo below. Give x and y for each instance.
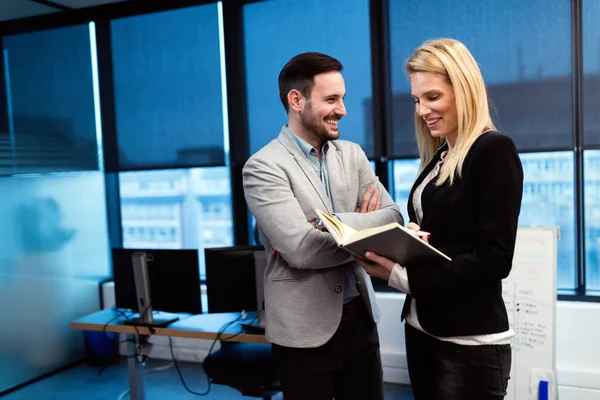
(306, 147)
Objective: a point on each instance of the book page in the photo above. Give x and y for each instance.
(355, 236)
(336, 228)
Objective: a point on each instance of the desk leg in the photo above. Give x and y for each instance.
(135, 371)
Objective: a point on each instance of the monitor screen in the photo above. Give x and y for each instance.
(174, 280)
(230, 278)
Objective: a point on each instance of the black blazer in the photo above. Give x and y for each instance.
(474, 222)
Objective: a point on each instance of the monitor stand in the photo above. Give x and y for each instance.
(146, 316)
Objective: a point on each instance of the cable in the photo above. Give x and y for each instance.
(217, 338)
(181, 375)
(123, 395)
(221, 330)
(243, 330)
(121, 314)
(160, 369)
(140, 342)
(141, 339)
(137, 350)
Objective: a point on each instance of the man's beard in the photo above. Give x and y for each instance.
(314, 126)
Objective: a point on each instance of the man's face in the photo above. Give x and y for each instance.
(325, 107)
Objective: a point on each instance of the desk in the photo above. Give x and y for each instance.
(203, 326)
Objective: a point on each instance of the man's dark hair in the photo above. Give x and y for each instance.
(300, 71)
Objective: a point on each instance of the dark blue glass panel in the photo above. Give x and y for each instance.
(591, 71)
(523, 50)
(50, 96)
(275, 31)
(168, 91)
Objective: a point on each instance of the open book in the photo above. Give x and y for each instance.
(392, 241)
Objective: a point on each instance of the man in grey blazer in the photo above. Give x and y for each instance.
(321, 311)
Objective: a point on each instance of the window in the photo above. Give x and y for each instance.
(529, 80)
(51, 77)
(591, 71)
(548, 200)
(591, 130)
(177, 209)
(317, 26)
(591, 191)
(404, 174)
(169, 91)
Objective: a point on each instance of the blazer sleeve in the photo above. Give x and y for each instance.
(272, 202)
(498, 176)
(389, 211)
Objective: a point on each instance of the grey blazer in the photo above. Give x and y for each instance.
(303, 292)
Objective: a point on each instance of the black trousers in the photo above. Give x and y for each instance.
(347, 367)
(441, 370)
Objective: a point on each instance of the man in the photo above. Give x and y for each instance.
(321, 311)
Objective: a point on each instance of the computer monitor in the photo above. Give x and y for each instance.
(234, 279)
(173, 280)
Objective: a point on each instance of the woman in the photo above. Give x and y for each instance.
(468, 197)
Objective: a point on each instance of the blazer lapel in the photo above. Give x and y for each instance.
(305, 166)
(426, 195)
(337, 179)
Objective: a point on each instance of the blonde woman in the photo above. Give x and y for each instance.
(468, 197)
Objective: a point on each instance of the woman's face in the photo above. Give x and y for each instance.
(435, 103)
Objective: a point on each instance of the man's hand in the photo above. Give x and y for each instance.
(371, 201)
(276, 254)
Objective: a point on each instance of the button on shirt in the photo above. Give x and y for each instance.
(320, 167)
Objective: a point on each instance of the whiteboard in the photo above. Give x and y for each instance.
(529, 293)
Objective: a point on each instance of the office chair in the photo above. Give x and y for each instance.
(247, 367)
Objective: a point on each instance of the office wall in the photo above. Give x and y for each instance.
(53, 252)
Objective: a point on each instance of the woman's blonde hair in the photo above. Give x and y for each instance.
(451, 60)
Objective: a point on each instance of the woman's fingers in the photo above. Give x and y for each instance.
(374, 268)
(369, 255)
(413, 226)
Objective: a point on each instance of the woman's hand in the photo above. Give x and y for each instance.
(414, 227)
(379, 267)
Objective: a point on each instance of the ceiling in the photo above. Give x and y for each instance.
(14, 9)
